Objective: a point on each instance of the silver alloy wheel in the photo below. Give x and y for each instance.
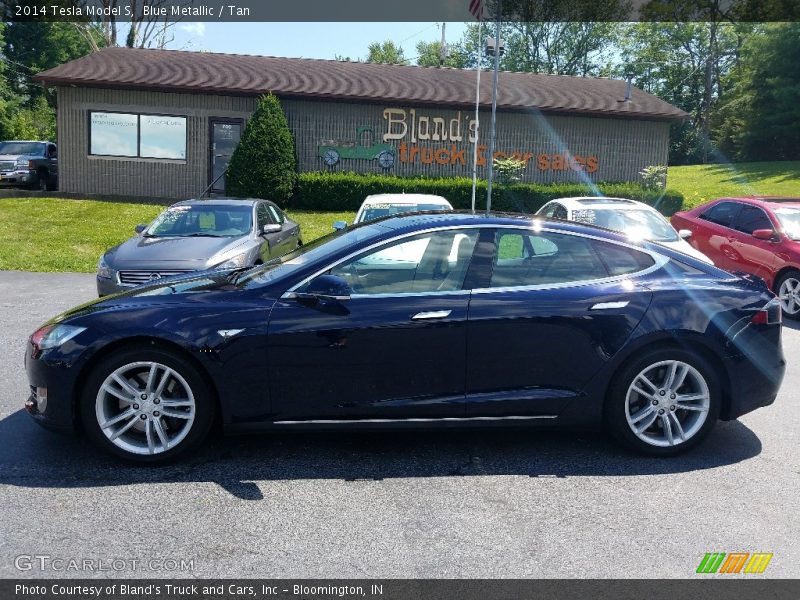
(667, 403)
(145, 408)
(789, 295)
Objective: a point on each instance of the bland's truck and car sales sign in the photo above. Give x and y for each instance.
(344, 116)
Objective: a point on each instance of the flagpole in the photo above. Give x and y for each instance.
(477, 116)
(493, 127)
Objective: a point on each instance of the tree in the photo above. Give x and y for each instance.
(143, 30)
(760, 118)
(688, 65)
(429, 55)
(35, 46)
(387, 53)
(264, 164)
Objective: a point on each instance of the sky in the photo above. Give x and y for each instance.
(308, 40)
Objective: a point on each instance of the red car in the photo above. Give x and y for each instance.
(758, 235)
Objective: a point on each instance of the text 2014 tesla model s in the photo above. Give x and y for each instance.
(419, 320)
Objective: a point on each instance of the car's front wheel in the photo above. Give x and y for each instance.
(146, 405)
(663, 402)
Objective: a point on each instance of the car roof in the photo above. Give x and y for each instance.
(767, 201)
(405, 199)
(602, 202)
(220, 201)
(418, 221)
(25, 142)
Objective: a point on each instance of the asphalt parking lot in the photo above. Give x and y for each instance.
(444, 504)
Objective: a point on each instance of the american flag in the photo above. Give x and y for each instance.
(476, 8)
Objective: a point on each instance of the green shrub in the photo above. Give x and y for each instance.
(264, 164)
(346, 191)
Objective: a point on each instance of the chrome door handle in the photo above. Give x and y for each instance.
(609, 305)
(433, 314)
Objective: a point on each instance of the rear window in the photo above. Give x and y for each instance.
(751, 218)
(528, 259)
(722, 213)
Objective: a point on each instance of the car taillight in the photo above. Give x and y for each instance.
(769, 315)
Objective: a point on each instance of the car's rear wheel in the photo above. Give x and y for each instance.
(663, 402)
(788, 291)
(146, 405)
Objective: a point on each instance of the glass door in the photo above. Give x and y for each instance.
(225, 135)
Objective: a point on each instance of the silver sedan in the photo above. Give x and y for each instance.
(196, 235)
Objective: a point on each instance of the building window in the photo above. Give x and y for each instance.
(137, 135)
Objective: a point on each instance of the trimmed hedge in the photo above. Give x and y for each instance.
(346, 192)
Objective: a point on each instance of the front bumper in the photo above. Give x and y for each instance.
(58, 413)
(17, 177)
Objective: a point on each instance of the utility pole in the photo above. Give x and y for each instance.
(477, 115)
(442, 48)
(493, 128)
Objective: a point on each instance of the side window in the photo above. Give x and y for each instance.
(431, 262)
(51, 151)
(277, 215)
(549, 210)
(722, 213)
(561, 212)
(263, 216)
(524, 258)
(620, 260)
(752, 218)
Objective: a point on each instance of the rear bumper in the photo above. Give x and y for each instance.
(755, 371)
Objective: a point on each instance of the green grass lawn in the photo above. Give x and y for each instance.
(53, 234)
(701, 183)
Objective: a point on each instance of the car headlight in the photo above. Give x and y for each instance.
(240, 260)
(103, 270)
(22, 163)
(52, 336)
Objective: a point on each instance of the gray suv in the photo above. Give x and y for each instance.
(29, 163)
(196, 235)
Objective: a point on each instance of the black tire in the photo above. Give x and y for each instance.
(615, 410)
(43, 181)
(204, 404)
(783, 279)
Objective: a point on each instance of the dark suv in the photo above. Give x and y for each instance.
(29, 163)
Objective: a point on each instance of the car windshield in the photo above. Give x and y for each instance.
(640, 224)
(790, 221)
(202, 220)
(376, 211)
(31, 148)
(306, 254)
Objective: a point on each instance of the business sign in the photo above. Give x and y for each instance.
(426, 139)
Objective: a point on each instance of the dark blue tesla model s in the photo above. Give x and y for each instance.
(422, 320)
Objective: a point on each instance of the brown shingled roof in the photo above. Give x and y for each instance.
(175, 71)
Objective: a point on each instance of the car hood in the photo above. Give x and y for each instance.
(177, 289)
(163, 252)
(5, 157)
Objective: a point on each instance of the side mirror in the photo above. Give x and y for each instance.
(339, 225)
(140, 228)
(327, 287)
(685, 234)
(270, 228)
(764, 234)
